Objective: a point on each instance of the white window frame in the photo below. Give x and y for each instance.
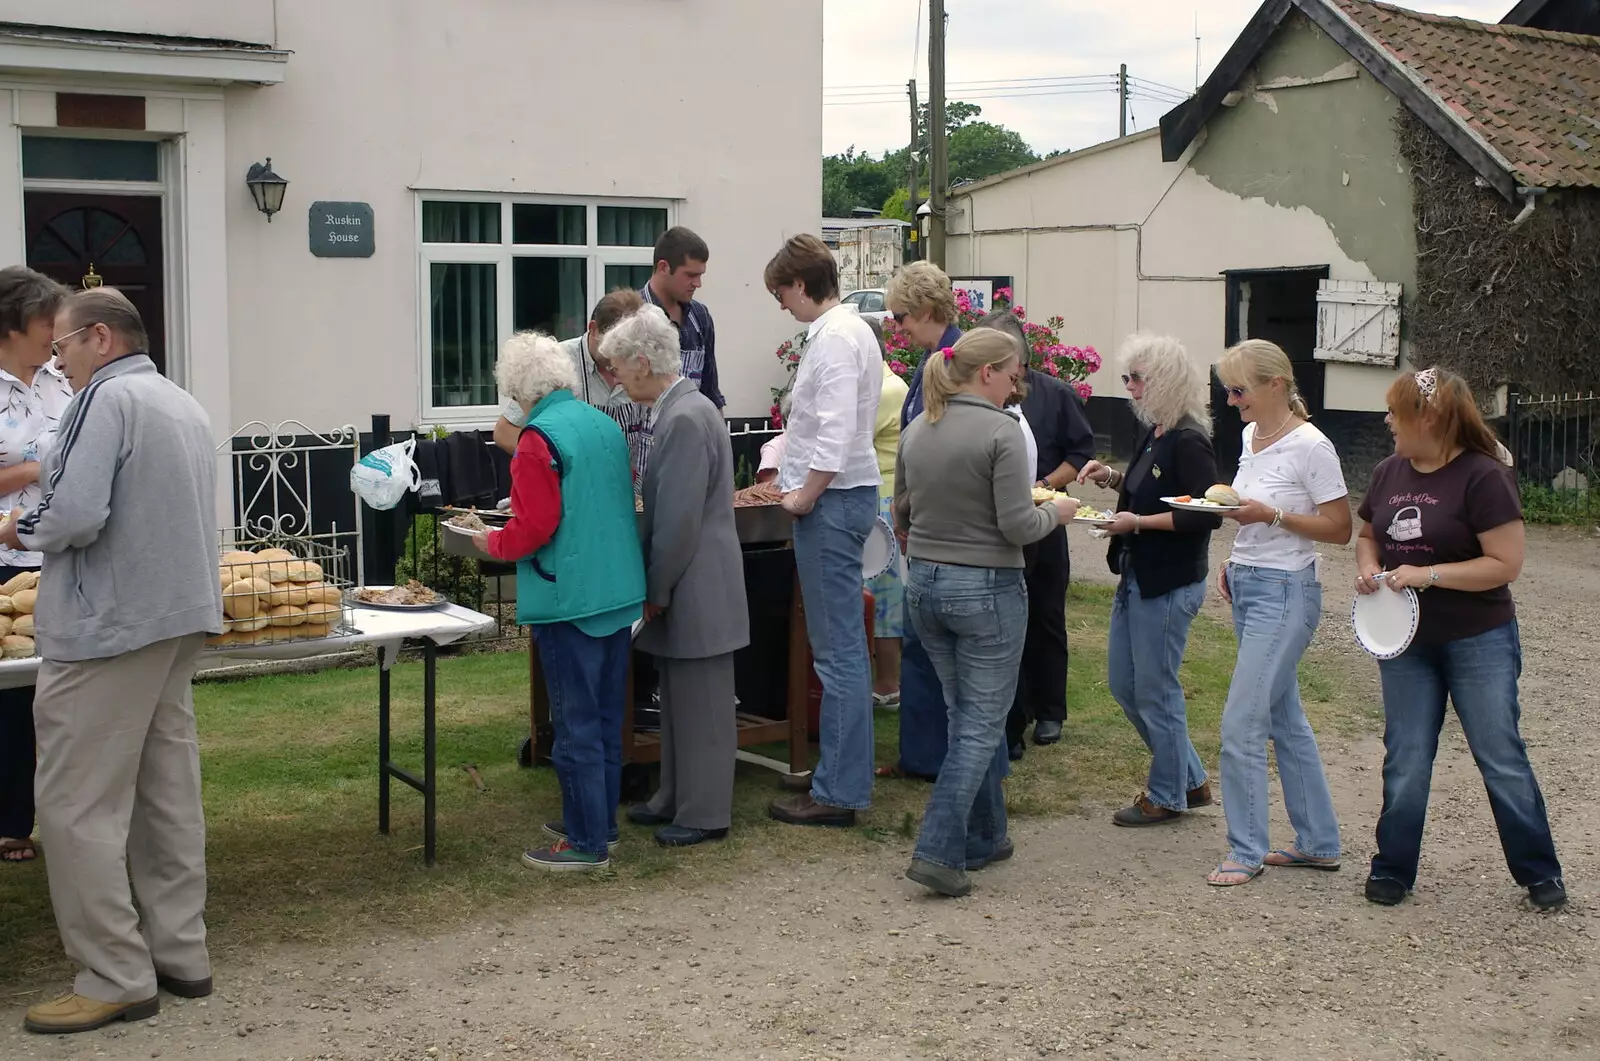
(502, 255)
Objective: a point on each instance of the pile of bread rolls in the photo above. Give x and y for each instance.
(273, 595)
(16, 615)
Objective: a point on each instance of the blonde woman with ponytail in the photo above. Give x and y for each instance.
(1292, 495)
(963, 499)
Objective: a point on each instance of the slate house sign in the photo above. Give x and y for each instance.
(341, 230)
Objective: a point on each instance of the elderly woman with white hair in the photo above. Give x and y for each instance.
(695, 610)
(580, 585)
(1161, 555)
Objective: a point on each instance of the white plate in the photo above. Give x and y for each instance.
(1385, 622)
(1195, 506)
(351, 599)
(1094, 521)
(464, 532)
(880, 550)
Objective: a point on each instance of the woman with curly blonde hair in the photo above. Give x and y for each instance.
(1161, 554)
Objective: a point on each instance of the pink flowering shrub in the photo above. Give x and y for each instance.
(1071, 364)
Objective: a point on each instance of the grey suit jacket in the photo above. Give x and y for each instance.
(693, 566)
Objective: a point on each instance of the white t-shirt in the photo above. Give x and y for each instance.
(1296, 473)
(772, 453)
(834, 409)
(1027, 440)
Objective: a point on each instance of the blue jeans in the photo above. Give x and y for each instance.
(1274, 615)
(1144, 648)
(972, 622)
(924, 723)
(828, 543)
(587, 679)
(1479, 675)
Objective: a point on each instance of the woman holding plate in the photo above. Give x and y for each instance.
(1161, 554)
(1292, 495)
(1443, 518)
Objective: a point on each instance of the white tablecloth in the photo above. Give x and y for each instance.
(384, 630)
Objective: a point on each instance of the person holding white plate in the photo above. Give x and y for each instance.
(1443, 517)
(1161, 554)
(1291, 495)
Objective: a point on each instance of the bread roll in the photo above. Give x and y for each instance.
(305, 571)
(247, 626)
(323, 594)
(1222, 494)
(218, 640)
(21, 624)
(23, 600)
(6, 607)
(273, 564)
(294, 593)
(322, 613)
(242, 600)
(278, 595)
(309, 630)
(227, 577)
(237, 558)
(26, 580)
(249, 637)
(287, 615)
(13, 646)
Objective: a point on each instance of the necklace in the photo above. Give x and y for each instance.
(1275, 434)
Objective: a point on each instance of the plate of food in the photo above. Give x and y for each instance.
(1385, 621)
(411, 597)
(1093, 517)
(1219, 498)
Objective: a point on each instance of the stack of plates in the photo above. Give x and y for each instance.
(1385, 622)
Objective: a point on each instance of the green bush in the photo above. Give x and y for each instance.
(457, 577)
(1542, 504)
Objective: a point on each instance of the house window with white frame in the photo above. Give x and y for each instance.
(494, 266)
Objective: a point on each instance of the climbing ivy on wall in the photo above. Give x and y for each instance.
(1501, 304)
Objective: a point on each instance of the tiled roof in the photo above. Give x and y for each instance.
(1532, 95)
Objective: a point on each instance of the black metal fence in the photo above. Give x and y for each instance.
(1553, 441)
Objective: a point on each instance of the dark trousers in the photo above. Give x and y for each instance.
(1042, 681)
(16, 752)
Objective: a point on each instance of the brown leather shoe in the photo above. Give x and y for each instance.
(74, 1013)
(1201, 797)
(184, 988)
(803, 810)
(1143, 812)
(800, 782)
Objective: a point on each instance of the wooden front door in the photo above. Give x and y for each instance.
(116, 237)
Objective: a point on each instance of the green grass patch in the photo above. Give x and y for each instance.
(1541, 504)
(290, 767)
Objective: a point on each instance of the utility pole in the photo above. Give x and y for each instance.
(1122, 101)
(938, 146)
(911, 182)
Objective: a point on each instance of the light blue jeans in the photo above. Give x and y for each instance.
(1144, 649)
(972, 622)
(828, 543)
(1274, 615)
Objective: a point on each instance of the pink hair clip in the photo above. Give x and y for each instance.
(948, 353)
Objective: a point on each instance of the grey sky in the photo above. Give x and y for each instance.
(870, 42)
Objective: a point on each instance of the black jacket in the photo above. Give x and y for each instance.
(1183, 462)
(1059, 425)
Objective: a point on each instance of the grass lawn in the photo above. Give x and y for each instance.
(291, 798)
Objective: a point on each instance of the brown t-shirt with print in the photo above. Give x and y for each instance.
(1429, 518)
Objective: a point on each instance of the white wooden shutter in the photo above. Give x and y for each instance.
(1358, 321)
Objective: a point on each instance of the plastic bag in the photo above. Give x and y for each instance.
(383, 476)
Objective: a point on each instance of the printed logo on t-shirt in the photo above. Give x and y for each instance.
(1406, 525)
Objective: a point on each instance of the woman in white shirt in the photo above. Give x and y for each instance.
(1292, 495)
(829, 480)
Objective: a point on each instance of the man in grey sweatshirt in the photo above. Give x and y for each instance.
(127, 595)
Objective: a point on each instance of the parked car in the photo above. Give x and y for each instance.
(869, 301)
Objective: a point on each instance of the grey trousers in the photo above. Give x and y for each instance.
(118, 791)
(698, 740)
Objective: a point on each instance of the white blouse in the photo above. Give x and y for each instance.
(29, 415)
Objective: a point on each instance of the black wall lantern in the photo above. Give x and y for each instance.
(266, 188)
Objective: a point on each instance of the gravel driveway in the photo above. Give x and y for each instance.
(1093, 942)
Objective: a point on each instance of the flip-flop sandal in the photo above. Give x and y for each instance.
(886, 700)
(1246, 875)
(23, 850)
(1294, 860)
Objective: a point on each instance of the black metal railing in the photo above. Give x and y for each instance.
(1555, 447)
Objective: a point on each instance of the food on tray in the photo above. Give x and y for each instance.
(15, 646)
(1090, 512)
(1222, 494)
(22, 624)
(760, 494)
(413, 592)
(26, 580)
(468, 521)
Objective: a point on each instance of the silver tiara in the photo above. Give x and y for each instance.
(1428, 382)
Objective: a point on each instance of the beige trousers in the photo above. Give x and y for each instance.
(118, 789)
